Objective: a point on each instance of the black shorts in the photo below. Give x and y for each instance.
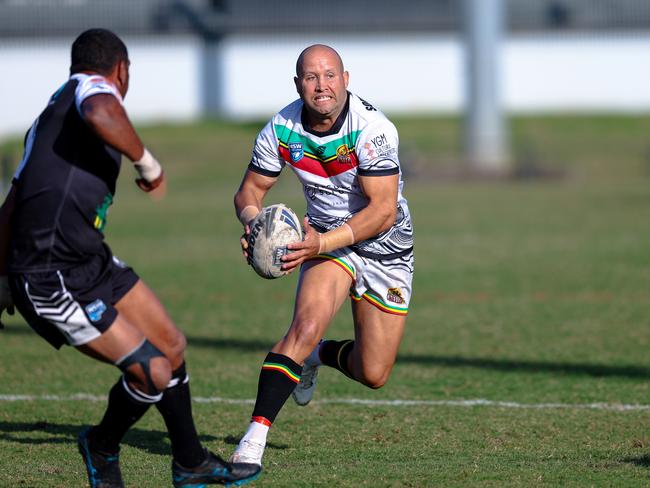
(76, 305)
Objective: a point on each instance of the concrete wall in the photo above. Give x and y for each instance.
(418, 74)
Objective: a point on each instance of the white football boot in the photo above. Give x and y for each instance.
(304, 390)
(249, 451)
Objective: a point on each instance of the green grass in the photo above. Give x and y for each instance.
(534, 292)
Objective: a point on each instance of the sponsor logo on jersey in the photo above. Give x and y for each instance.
(369, 149)
(367, 105)
(343, 154)
(395, 295)
(296, 151)
(95, 310)
(379, 146)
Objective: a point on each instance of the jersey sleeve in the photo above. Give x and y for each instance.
(377, 149)
(266, 159)
(94, 85)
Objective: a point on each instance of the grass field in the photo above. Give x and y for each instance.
(533, 295)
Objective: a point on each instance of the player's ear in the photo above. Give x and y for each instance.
(296, 82)
(346, 78)
(123, 76)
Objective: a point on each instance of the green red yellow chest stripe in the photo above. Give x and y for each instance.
(324, 160)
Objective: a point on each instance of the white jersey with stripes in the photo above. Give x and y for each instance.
(362, 142)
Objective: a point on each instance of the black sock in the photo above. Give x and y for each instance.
(278, 378)
(335, 354)
(176, 409)
(122, 412)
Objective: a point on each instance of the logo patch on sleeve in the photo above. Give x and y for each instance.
(95, 310)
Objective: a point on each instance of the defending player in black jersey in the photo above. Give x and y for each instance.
(62, 277)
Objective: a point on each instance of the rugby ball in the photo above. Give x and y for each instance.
(270, 232)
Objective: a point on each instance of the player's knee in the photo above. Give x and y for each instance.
(375, 377)
(147, 368)
(160, 372)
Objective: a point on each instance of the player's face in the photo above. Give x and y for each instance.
(322, 85)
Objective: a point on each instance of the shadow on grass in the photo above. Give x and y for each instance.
(515, 366)
(248, 345)
(151, 441)
(643, 461)
(496, 364)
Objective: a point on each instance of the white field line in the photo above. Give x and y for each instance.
(479, 402)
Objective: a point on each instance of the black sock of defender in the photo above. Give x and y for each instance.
(335, 355)
(122, 412)
(278, 378)
(176, 410)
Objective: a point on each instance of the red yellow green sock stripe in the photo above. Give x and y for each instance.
(282, 369)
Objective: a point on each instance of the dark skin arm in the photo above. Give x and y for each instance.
(106, 116)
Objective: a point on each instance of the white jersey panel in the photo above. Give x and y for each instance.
(90, 85)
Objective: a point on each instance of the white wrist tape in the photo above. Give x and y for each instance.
(147, 167)
(336, 238)
(248, 213)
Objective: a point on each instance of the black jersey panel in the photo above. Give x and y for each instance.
(63, 191)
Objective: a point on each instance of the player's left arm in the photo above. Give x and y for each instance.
(107, 118)
(381, 212)
(377, 217)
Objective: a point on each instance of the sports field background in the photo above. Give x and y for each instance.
(531, 294)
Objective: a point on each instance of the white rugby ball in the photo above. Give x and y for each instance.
(271, 230)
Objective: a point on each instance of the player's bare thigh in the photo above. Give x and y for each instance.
(142, 308)
(377, 338)
(322, 289)
(115, 342)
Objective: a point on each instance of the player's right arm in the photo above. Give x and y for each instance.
(249, 199)
(263, 170)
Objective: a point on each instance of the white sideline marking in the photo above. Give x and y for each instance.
(479, 402)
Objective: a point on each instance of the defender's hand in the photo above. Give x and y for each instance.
(157, 189)
(150, 173)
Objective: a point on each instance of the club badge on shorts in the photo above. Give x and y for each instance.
(395, 295)
(95, 310)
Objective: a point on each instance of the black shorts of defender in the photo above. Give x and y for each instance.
(75, 305)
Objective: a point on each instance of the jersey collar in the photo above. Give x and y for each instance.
(332, 130)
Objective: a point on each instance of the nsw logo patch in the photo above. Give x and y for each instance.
(95, 310)
(296, 151)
